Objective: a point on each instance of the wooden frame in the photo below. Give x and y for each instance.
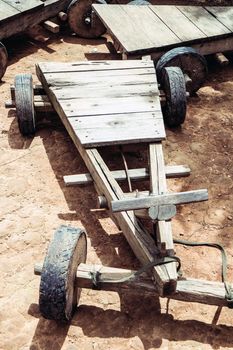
(157, 247)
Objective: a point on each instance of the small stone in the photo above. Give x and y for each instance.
(230, 217)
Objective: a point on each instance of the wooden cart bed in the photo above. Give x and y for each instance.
(106, 102)
(139, 30)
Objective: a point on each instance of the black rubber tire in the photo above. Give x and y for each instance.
(24, 103)
(173, 84)
(139, 2)
(191, 63)
(3, 60)
(78, 11)
(59, 292)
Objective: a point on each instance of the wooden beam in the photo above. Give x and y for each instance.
(51, 26)
(158, 185)
(168, 198)
(188, 289)
(135, 174)
(41, 104)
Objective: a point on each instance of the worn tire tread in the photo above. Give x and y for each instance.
(55, 273)
(174, 87)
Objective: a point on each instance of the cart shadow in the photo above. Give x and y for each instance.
(22, 45)
(135, 319)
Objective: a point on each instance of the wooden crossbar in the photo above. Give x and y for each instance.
(134, 174)
(152, 200)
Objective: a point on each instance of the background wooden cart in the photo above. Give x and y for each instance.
(18, 16)
(151, 29)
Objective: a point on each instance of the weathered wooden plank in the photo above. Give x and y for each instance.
(93, 66)
(158, 186)
(223, 14)
(99, 75)
(125, 23)
(207, 23)
(100, 130)
(88, 91)
(24, 6)
(7, 11)
(134, 174)
(178, 22)
(108, 81)
(189, 290)
(168, 198)
(118, 105)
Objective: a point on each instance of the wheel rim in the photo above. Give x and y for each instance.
(191, 63)
(83, 21)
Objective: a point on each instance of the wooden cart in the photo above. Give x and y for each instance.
(151, 29)
(107, 103)
(17, 16)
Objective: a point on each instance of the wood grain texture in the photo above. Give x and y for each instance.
(108, 106)
(223, 14)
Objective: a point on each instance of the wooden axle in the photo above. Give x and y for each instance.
(135, 174)
(221, 59)
(190, 290)
(41, 104)
(62, 16)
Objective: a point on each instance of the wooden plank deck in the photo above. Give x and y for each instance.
(145, 29)
(107, 102)
(10, 9)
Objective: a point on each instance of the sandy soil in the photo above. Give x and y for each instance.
(34, 202)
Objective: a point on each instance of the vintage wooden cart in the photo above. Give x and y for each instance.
(17, 16)
(153, 29)
(107, 103)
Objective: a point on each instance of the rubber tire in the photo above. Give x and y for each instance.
(59, 292)
(139, 2)
(24, 103)
(196, 70)
(77, 11)
(3, 60)
(173, 84)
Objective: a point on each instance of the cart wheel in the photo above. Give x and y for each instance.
(59, 292)
(190, 61)
(24, 102)
(83, 21)
(139, 2)
(3, 60)
(173, 84)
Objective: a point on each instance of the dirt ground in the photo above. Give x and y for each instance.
(34, 202)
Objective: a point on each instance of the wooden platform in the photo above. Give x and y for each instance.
(106, 102)
(139, 30)
(13, 8)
